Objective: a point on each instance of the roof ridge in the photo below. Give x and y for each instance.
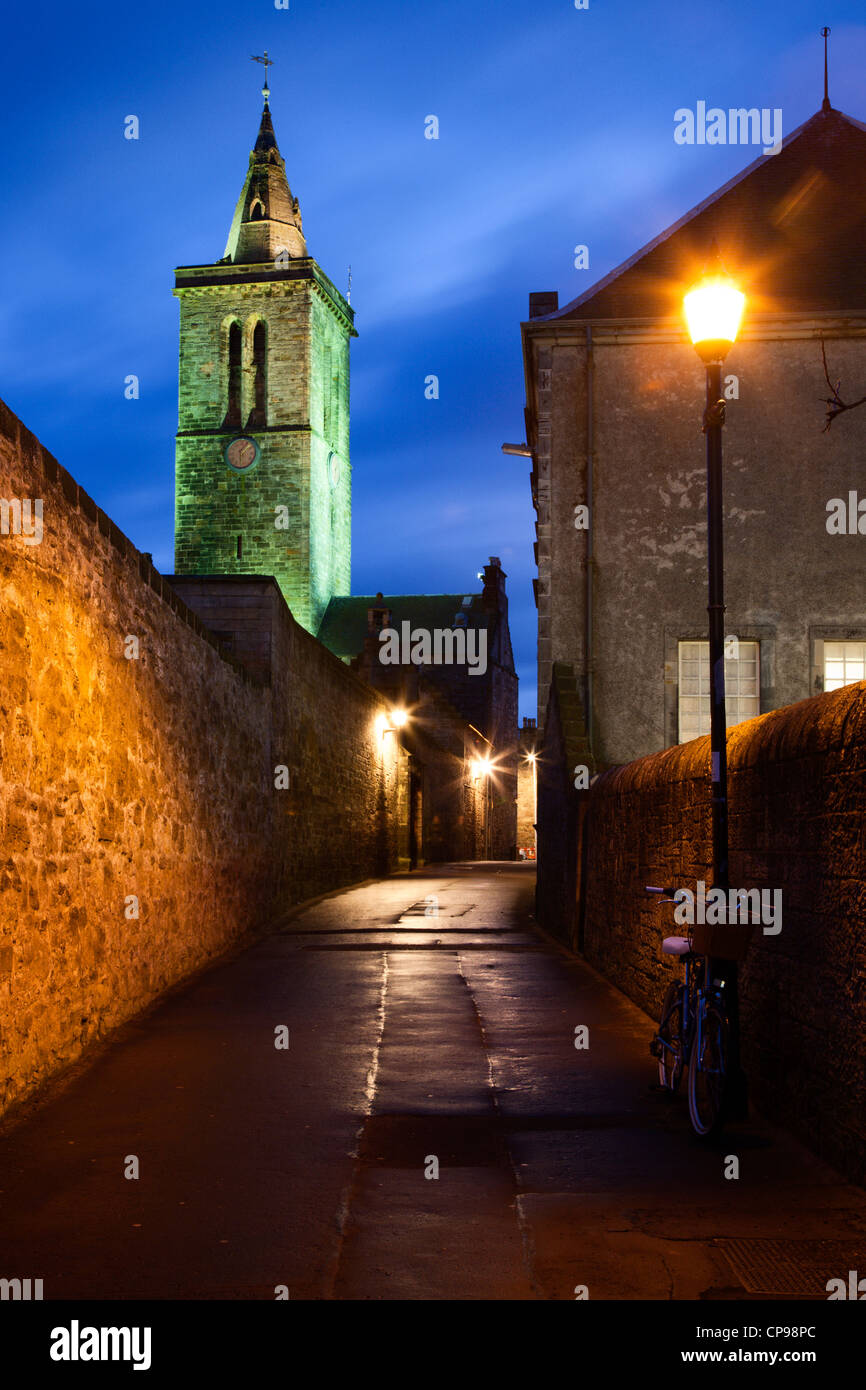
(687, 217)
(372, 598)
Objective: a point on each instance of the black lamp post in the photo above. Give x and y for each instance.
(714, 309)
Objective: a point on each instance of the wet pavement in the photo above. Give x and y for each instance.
(430, 1028)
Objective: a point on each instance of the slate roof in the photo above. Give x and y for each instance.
(791, 227)
(344, 624)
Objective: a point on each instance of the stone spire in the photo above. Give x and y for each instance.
(267, 220)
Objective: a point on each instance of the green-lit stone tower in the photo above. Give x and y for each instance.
(262, 475)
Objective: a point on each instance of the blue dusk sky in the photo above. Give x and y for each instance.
(555, 128)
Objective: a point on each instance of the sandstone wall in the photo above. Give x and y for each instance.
(797, 794)
(527, 784)
(345, 816)
(562, 749)
(152, 779)
(445, 748)
(525, 806)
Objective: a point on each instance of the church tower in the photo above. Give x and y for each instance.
(262, 476)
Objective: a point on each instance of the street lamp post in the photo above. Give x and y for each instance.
(714, 309)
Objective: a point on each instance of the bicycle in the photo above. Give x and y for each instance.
(694, 1032)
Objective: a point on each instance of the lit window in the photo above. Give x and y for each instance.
(742, 687)
(844, 663)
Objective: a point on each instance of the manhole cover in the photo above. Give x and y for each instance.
(792, 1266)
(458, 1141)
(431, 911)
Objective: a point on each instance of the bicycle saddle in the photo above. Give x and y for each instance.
(676, 946)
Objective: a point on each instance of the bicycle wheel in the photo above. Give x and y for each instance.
(708, 1073)
(671, 1050)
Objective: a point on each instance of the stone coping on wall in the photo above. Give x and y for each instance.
(806, 729)
(29, 449)
(209, 582)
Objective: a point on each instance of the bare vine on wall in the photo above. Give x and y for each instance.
(834, 403)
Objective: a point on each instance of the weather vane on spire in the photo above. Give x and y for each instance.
(267, 63)
(825, 34)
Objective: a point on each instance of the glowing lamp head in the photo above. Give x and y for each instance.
(714, 311)
(392, 721)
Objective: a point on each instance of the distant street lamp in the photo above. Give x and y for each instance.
(714, 310)
(532, 758)
(392, 721)
(481, 769)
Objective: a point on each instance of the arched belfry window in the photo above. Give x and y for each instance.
(257, 210)
(233, 403)
(259, 413)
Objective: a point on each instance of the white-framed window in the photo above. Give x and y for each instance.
(844, 663)
(742, 687)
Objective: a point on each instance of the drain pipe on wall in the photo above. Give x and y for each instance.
(590, 554)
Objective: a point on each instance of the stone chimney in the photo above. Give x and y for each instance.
(379, 615)
(493, 595)
(543, 302)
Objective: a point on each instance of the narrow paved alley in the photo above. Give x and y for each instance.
(429, 1024)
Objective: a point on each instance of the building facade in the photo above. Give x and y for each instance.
(615, 395)
(446, 658)
(615, 398)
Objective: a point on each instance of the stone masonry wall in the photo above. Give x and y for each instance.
(790, 585)
(797, 792)
(330, 479)
(141, 832)
(214, 505)
(343, 816)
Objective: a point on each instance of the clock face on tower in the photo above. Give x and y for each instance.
(242, 453)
